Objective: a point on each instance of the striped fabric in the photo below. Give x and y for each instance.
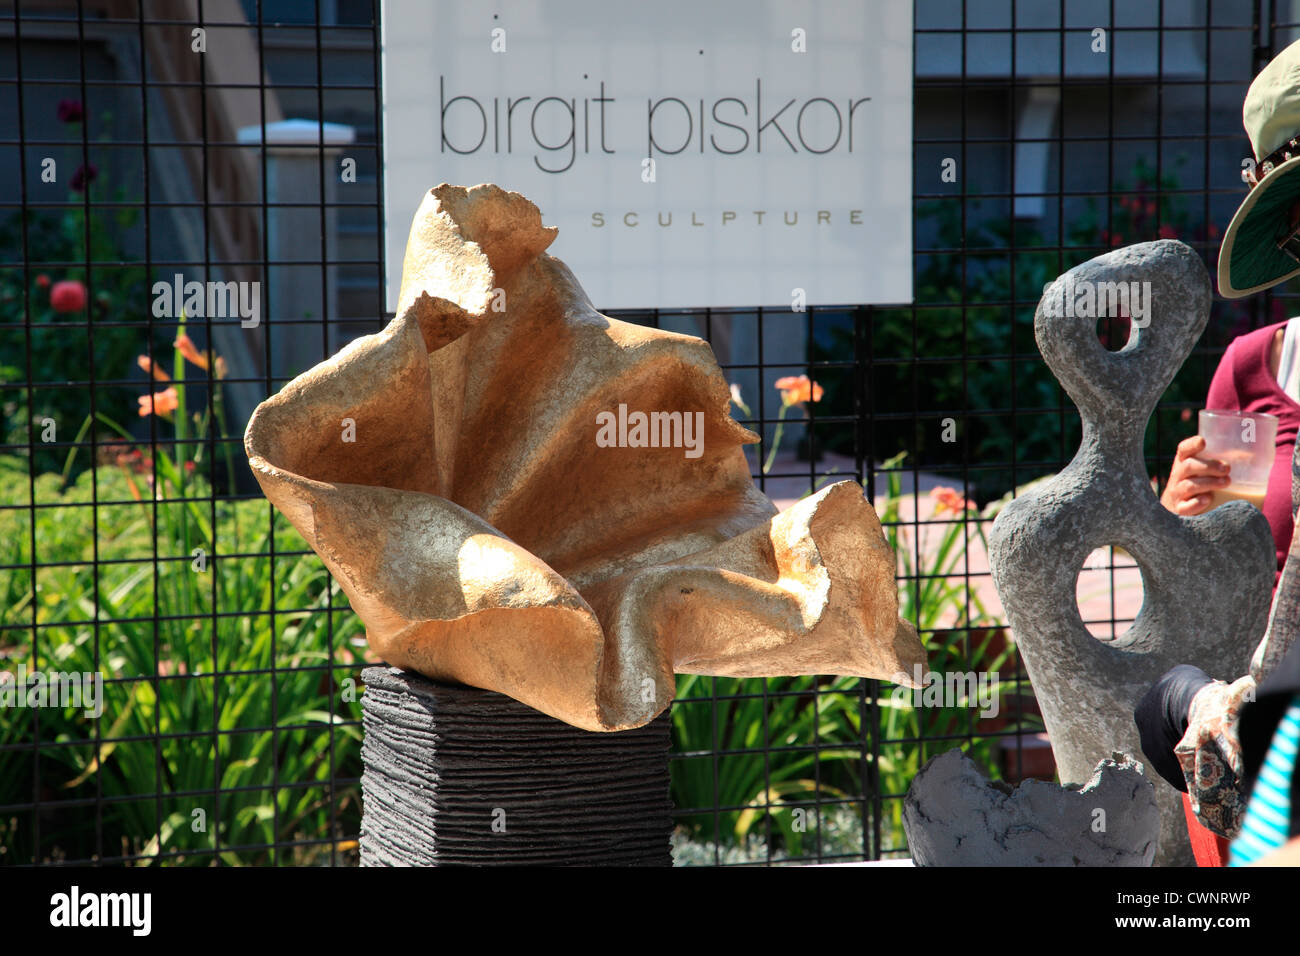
(1268, 815)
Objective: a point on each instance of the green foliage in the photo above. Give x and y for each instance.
(806, 727)
(219, 636)
(174, 678)
(837, 830)
(934, 594)
(61, 352)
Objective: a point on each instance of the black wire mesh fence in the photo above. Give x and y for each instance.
(218, 721)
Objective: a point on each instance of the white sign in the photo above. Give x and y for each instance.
(728, 153)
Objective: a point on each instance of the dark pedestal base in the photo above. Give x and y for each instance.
(457, 775)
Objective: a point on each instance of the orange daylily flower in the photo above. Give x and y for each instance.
(153, 368)
(219, 366)
(131, 485)
(796, 390)
(185, 345)
(947, 499)
(159, 403)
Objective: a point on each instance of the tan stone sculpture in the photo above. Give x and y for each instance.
(520, 494)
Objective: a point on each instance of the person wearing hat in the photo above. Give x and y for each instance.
(1236, 744)
(1260, 371)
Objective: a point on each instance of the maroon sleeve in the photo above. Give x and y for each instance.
(1223, 394)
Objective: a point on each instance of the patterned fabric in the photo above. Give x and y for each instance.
(1268, 816)
(1210, 755)
(1288, 150)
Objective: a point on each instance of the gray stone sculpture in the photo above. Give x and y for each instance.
(955, 816)
(1206, 580)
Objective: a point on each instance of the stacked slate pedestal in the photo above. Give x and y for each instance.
(458, 775)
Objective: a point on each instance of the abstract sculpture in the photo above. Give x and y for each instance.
(459, 476)
(1206, 579)
(955, 816)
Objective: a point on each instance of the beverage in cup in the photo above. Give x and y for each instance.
(1245, 442)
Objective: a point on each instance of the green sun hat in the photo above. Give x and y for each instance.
(1260, 246)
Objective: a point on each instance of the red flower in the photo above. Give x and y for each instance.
(83, 177)
(71, 111)
(43, 281)
(130, 458)
(68, 296)
(948, 499)
(1168, 232)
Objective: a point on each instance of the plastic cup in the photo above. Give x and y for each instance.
(1246, 442)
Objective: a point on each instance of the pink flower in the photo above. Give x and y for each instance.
(68, 296)
(1168, 232)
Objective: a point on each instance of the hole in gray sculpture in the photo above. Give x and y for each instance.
(1109, 592)
(1114, 332)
